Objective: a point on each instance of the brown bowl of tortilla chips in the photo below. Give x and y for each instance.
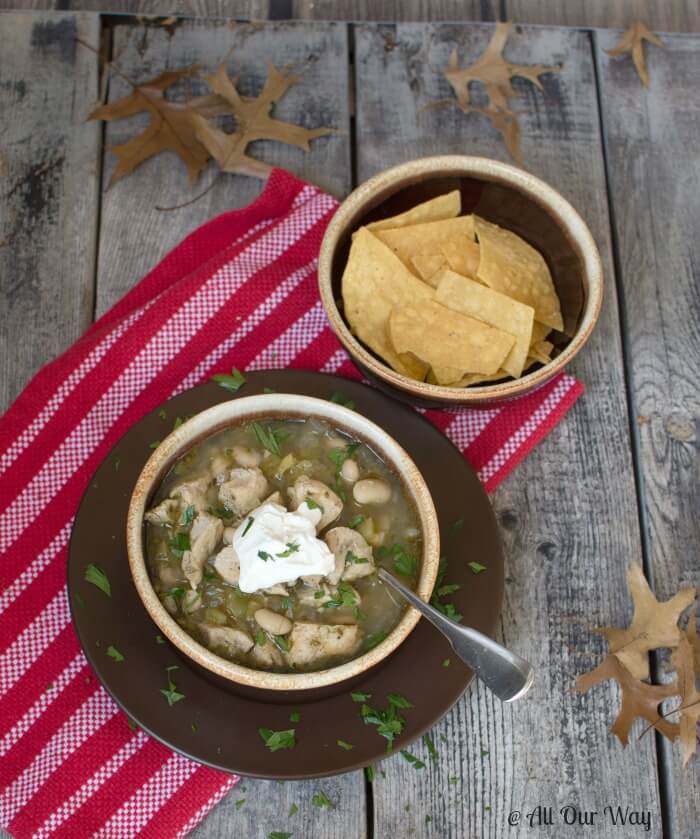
(459, 280)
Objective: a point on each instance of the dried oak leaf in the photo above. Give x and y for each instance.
(170, 129)
(253, 122)
(632, 41)
(653, 624)
(683, 660)
(639, 699)
(496, 73)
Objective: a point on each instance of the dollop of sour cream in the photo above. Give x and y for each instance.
(276, 546)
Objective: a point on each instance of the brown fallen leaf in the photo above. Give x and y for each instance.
(639, 699)
(653, 624)
(633, 41)
(253, 122)
(683, 660)
(171, 127)
(496, 73)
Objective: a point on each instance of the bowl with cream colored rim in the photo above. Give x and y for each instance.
(503, 195)
(239, 411)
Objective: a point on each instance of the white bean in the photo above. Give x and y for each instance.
(246, 457)
(272, 622)
(350, 471)
(228, 535)
(371, 491)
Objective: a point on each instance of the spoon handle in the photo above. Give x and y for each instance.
(506, 674)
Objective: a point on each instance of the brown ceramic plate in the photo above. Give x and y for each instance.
(215, 726)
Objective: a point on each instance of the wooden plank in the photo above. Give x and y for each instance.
(666, 16)
(49, 163)
(240, 9)
(134, 234)
(651, 142)
(566, 553)
(396, 10)
(268, 805)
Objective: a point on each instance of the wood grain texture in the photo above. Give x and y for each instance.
(240, 9)
(661, 15)
(651, 141)
(49, 163)
(268, 805)
(134, 235)
(566, 554)
(396, 10)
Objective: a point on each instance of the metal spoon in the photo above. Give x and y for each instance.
(508, 675)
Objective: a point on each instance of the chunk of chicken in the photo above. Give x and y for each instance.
(168, 575)
(219, 467)
(192, 493)
(228, 565)
(330, 504)
(243, 491)
(353, 556)
(311, 643)
(266, 655)
(166, 513)
(233, 641)
(245, 456)
(205, 535)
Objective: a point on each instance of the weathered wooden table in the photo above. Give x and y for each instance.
(616, 482)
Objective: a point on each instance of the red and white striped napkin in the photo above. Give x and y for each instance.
(240, 291)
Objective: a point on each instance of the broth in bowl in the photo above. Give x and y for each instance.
(264, 539)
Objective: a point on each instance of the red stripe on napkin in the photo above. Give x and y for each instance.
(239, 291)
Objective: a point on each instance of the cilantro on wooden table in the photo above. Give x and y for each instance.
(412, 759)
(279, 834)
(430, 746)
(388, 721)
(341, 399)
(95, 575)
(114, 653)
(171, 693)
(293, 810)
(320, 799)
(232, 381)
(239, 803)
(277, 740)
(369, 773)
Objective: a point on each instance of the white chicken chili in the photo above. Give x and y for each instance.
(263, 543)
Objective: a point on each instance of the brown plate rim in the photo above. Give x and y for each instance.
(446, 685)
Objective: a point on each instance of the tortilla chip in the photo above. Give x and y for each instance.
(477, 379)
(428, 264)
(462, 255)
(442, 207)
(541, 351)
(446, 339)
(479, 301)
(539, 332)
(421, 239)
(509, 265)
(374, 281)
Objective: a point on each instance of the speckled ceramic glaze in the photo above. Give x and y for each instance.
(502, 194)
(246, 409)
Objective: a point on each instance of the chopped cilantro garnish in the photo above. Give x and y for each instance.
(249, 524)
(269, 390)
(281, 643)
(79, 599)
(359, 614)
(276, 740)
(292, 548)
(295, 716)
(154, 444)
(180, 543)
(178, 422)
(221, 512)
(239, 803)
(430, 746)
(267, 438)
(356, 521)
(345, 745)
(114, 653)
(160, 639)
(341, 399)
(279, 834)
(476, 567)
(340, 455)
(233, 382)
(346, 597)
(320, 799)
(374, 639)
(355, 560)
(96, 576)
(117, 463)
(312, 505)
(446, 662)
(369, 773)
(360, 696)
(162, 414)
(171, 693)
(188, 516)
(260, 638)
(265, 556)
(287, 603)
(193, 726)
(448, 589)
(447, 609)
(293, 810)
(412, 759)
(453, 779)
(389, 722)
(398, 701)
(458, 524)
